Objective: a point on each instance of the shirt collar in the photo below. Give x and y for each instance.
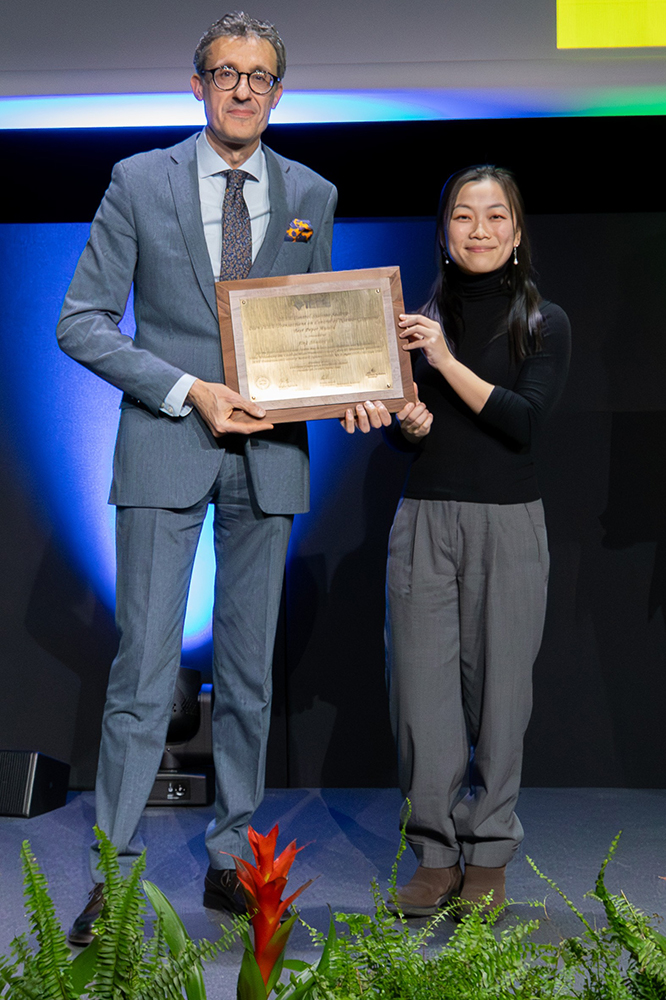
(209, 162)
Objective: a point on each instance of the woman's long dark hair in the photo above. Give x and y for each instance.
(525, 321)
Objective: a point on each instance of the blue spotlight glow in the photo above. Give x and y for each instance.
(198, 625)
(62, 419)
(101, 111)
(300, 107)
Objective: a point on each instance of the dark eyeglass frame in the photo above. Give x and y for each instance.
(260, 93)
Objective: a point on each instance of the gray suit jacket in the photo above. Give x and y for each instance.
(148, 230)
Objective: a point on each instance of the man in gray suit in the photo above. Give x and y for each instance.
(171, 222)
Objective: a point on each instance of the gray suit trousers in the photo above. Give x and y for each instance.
(155, 551)
(466, 601)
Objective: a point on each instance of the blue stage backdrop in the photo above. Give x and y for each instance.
(62, 419)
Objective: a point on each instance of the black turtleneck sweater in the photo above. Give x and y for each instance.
(487, 458)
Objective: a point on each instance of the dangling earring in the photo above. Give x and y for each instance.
(445, 256)
(515, 255)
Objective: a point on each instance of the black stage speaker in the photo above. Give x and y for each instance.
(31, 783)
(186, 776)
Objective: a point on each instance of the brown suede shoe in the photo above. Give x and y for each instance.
(428, 889)
(479, 882)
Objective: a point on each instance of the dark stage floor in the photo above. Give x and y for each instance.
(352, 836)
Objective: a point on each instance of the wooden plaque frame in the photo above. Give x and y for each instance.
(386, 280)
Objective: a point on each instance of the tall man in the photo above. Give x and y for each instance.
(218, 205)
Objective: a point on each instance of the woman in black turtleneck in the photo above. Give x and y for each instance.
(468, 557)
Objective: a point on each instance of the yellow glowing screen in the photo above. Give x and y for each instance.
(610, 24)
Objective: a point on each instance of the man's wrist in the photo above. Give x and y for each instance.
(175, 403)
(195, 393)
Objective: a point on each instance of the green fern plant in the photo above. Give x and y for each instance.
(120, 964)
(624, 961)
(378, 958)
(631, 928)
(45, 974)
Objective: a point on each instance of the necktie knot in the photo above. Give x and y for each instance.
(236, 179)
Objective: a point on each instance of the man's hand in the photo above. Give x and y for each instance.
(415, 419)
(365, 416)
(225, 411)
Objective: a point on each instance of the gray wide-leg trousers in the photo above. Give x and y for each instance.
(466, 601)
(155, 553)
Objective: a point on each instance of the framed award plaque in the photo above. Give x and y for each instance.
(309, 346)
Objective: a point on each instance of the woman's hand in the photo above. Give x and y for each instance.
(415, 419)
(420, 333)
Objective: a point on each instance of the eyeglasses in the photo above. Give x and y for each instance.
(228, 78)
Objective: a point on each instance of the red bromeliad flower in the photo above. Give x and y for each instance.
(263, 884)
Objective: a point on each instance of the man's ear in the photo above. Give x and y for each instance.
(196, 83)
(276, 96)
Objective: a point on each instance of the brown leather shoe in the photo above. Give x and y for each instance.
(428, 889)
(81, 932)
(479, 882)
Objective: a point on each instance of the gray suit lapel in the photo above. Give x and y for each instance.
(277, 226)
(182, 168)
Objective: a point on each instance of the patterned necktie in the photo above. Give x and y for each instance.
(236, 234)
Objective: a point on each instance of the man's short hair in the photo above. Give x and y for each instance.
(240, 25)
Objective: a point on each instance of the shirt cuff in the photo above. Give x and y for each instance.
(174, 403)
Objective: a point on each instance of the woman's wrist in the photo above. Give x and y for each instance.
(447, 365)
